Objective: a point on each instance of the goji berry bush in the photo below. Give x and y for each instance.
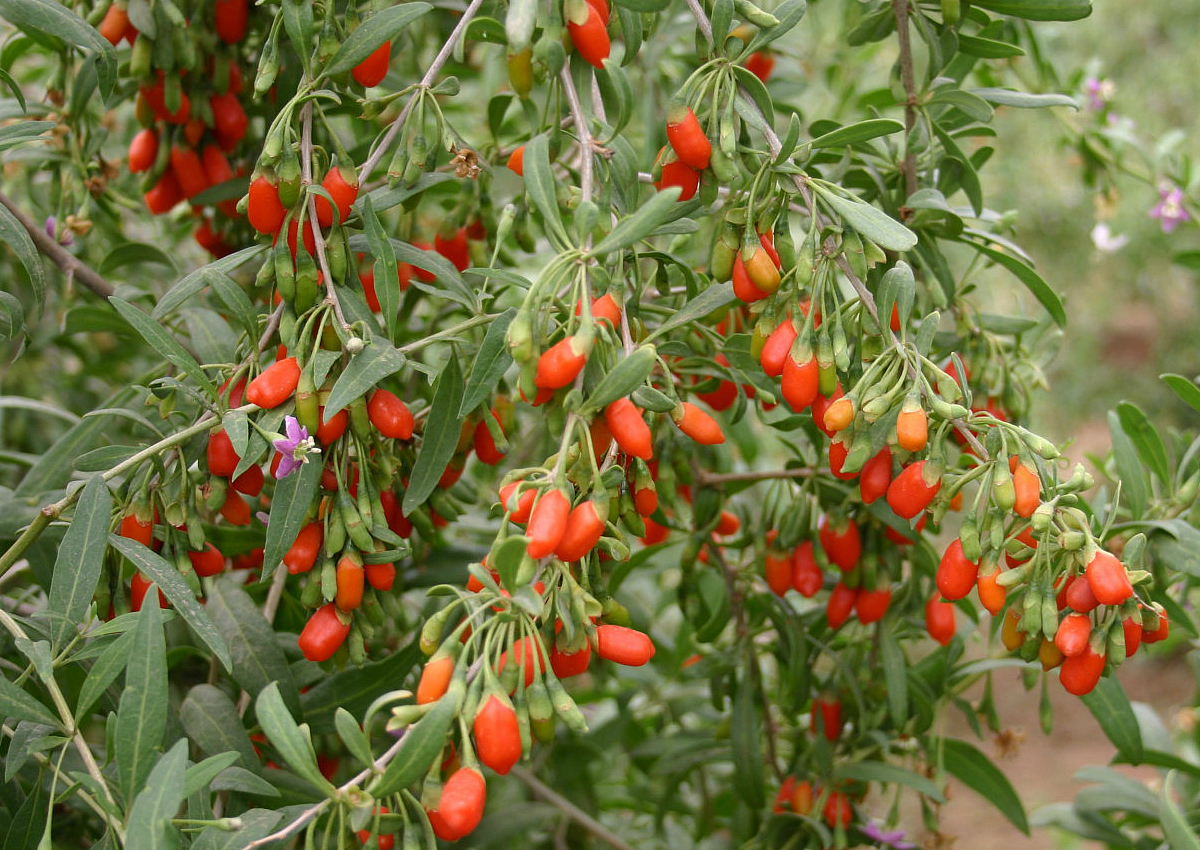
(568, 424)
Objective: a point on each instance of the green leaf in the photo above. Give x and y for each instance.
(491, 362)
(257, 657)
(28, 738)
(28, 824)
(256, 824)
(968, 180)
(12, 317)
(709, 301)
(895, 676)
(374, 31)
(239, 304)
(211, 720)
(355, 688)
(1038, 10)
(1145, 439)
(971, 105)
(540, 186)
(132, 253)
(986, 48)
(888, 775)
(1187, 391)
(439, 437)
(177, 591)
(80, 560)
(16, 704)
(199, 775)
(192, 284)
(1024, 100)
(244, 782)
(103, 673)
(49, 18)
(142, 712)
(868, 221)
(290, 740)
(747, 747)
(352, 736)
(1179, 835)
(980, 774)
(1129, 468)
(421, 744)
(150, 816)
(852, 134)
(164, 344)
(897, 287)
(626, 376)
(15, 234)
(387, 279)
(644, 5)
(378, 359)
(1110, 706)
(104, 458)
(289, 510)
(660, 209)
(1033, 282)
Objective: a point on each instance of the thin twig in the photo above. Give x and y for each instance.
(331, 296)
(439, 62)
(711, 479)
(540, 789)
(315, 809)
(908, 80)
(64, 259)
(584, 133)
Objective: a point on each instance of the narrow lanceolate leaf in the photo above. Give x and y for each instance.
(1039, 10)
(540, 185)
(491, 361)
(80, 560)
(895, 675)
(16, 704)
(211, 720)
(373, 32)
(353, 736)
(289, 509)
(863, 131)
(975, 770)
(378, 359)
(421, 744)
(1024, 100)
(14, 233)
(142, 713)
(150, 817)
(1145, 438)
(290, 740)
(177, 591)
(54, 466)
(439, 436)
(888, 774)
(869, 222)
(257, 658)
(708, 301)
(660, 209)
(103, 673)
(199, 775)
(1187, 391)
(1129, 467)
(183, 291)
(1032, 280)
(256, 824)
(50, 18)
(747, 748)
(163, 343)
(1179, 835)
(387, 280)
(1111, 708)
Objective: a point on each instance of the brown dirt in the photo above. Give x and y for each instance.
(1043, 767)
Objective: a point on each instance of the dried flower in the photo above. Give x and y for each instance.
(1107, 241)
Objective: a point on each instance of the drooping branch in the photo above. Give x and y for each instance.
(75, 268)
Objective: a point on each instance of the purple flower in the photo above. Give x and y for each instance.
(1169, 210)
(894, 838)
(1099, 92)
(294, 448)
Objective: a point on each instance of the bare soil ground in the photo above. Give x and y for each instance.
(1042, 767)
